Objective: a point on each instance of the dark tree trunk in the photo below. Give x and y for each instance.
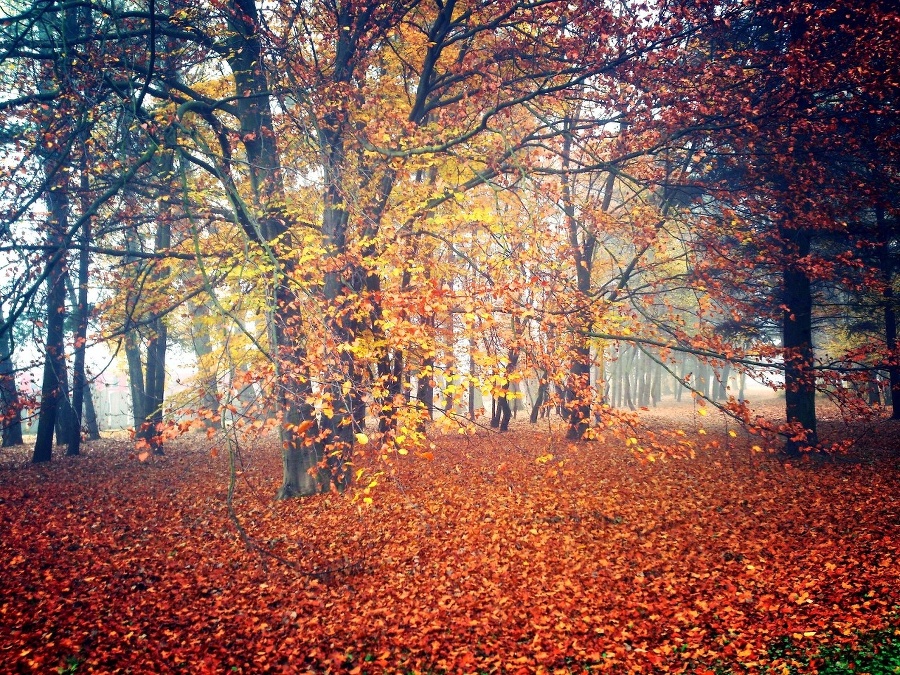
(799, 378)
(540, 398)
(302, 453)
(425, 390)
(66, 421)
(135, 377)
(147, 376)
(582, 242)
(79, 377)
(503, 410)
(52, 385)
(390, 376)
(154, 386)
(81, 312)
(85, 414)
(890, 310)
(10, 404)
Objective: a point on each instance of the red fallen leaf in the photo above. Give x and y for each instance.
(144, 456)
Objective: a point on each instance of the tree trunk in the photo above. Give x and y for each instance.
(67, 427)
(425, 390)
(154, 386)
(504, 410)
(80, 308)
(203, 348)
(627, 373)
(302, 453)
(578, 388)
(799, 378)
(79, 377)
(10, 404)
(890, 310)
(90, 414)
(135, 377)
(540, 398)
(54, 363)
(680, 367)
(471, 383)
(722, 383)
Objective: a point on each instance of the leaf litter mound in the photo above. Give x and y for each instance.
(495, 553)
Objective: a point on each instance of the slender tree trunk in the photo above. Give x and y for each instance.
(615, 379)
(578, 388)
(52, 385)
(627, 374)
(890, 310)
(656, 384)
(722, 383)
(90, 414)
(203, 348)
(66, 420)
(680, 367)
(82, 402)
(540, 398)
(79, 378)
(10, 404)
(425, 390)
(501, 408)
(135, 378)
(154, 386)
(471, 383)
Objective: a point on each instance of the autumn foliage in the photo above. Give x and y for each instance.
(493, 553)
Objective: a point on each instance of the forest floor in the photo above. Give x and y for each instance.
(518, 552)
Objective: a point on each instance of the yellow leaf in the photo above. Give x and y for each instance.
(367, 500)
(732, 433)
(702, 412)
(362, 439)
